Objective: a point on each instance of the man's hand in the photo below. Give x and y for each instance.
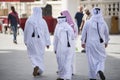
(79, 31)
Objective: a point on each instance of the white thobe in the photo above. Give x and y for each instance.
(74, 48)
(95, 50)
(35, 45)
(64, 54)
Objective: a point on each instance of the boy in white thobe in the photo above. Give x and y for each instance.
(93, 31)
(63, 44)
(36, 37)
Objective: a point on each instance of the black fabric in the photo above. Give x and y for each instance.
(61, 17)
(85, 37)
(78, 17)
(97, 10)
(68, 43)
(92, 79)
(38, 36)
(33, 34)
(101, 74)
(101, 40)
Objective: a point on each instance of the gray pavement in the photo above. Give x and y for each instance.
(15, 64)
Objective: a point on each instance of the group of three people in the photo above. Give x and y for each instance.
(37, 37)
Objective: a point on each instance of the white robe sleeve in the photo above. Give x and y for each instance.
(76, 30)
(27, 32)
(84, 33)
(71, 32)
(106, 32)
(47, 35)
(55, 41)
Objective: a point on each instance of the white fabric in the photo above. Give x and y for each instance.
(95, 50)
(35, 45)
(74, 48)
(64, 54)
(76, 31)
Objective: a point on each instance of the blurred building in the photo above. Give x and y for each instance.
(110, 9)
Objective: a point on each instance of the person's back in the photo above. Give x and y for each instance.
(36, 37)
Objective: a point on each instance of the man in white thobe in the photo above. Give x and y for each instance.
(63, 44)
(93, 31)
(75, 29)
(36, 37)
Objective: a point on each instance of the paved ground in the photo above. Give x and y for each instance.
(15, 65)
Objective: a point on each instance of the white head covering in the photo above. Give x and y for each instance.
(37, 20)
(61, 19)
(97, 15)
(36, 17)
(63, 28)
(62, 25)
(69, 19)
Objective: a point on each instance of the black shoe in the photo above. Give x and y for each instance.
(15, 41)
(83, 51)
(101, 74)
(59, 79)
(57, 72)
(35, 71)
(38, 74)
(92, 79)
(73, 74)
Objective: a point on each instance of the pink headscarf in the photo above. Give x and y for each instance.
(69, 18)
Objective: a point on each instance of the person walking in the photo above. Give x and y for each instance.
(36, 37)
(86, 17)
(13, 20)
(95, 38)
(75, 29)
(78, 18)
(63, 44)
